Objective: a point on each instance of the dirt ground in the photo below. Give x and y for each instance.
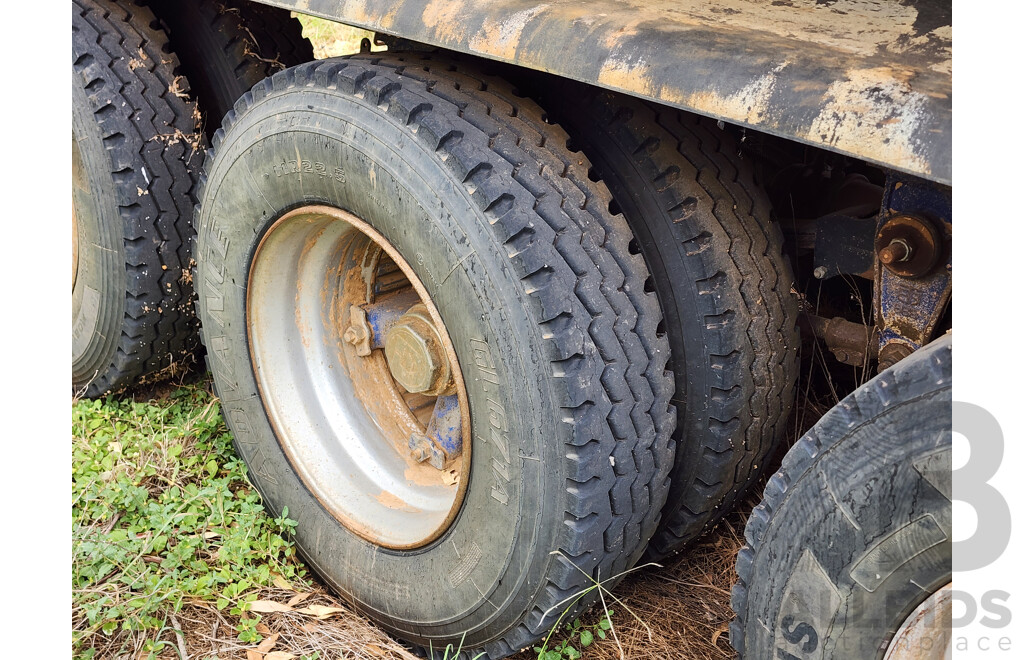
(682, 612)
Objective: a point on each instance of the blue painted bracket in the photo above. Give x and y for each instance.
(445, 427)
(908, 310)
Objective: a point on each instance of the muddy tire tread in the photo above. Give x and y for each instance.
(256, 41)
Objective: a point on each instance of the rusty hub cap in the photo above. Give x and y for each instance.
(927, 633)
(358, 376)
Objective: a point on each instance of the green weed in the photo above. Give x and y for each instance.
(578, 632)
(162, 516)
(451, 653)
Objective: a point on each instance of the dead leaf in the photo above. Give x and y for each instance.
(210, 535)
(718, 632)
(309, 627)
(320, 611)
(279, 655)
(267, 606)
(253, 655)
(374, 649)
(262, 629)
(268, 643)
(297, 598)
(282, 583)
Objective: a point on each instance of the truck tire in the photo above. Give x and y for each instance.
(702, 223)
(133, 134)
(227, 46)
(854, 534)
(340, 188)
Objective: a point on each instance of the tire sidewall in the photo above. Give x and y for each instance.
(876, 493)
(351, 155)
(97, 297)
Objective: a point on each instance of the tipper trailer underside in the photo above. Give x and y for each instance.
(864, 78)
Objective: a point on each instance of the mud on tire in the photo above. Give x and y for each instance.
(227, 46)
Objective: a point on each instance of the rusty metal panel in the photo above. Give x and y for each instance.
(867, 78)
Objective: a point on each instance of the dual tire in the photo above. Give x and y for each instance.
(550, 308)
(137, 145)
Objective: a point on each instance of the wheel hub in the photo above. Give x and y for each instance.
(416, 355)
(358, 376)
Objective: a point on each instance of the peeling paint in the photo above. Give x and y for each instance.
(855, 26)
(444, 17)
(501, 37)
(872, 112)
(624, 73)
(783, 66)
(750, 104)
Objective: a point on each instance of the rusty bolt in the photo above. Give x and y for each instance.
(420, 447)
(423, 450)
(898, 250)
(415, 354)
(359, 333)
(891, 353)
(910, 246)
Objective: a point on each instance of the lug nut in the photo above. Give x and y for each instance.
(423, 450)
(359, 333)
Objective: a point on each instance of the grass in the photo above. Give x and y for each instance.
(171, 546)
(174, 556)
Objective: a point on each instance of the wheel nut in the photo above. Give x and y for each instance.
(416, 355)
(359, 333)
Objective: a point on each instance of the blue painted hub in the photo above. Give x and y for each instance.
(445, 427)
(382, 315)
